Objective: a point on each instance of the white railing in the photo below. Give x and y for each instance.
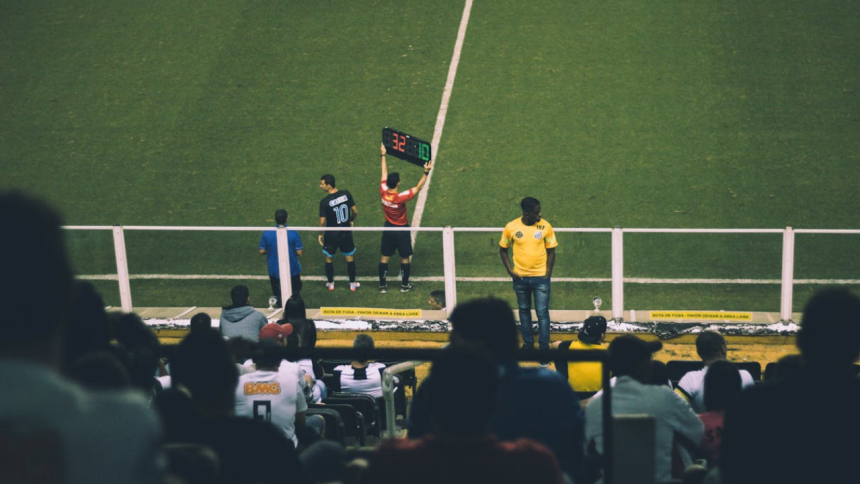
(617, 248)
(388, 393)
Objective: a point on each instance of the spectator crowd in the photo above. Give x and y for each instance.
(89, 398)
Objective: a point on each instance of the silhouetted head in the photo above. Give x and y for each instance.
(830, 332)
(486, 323)
(722, 385)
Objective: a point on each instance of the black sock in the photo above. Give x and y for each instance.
(329, 271)
(383, 273)
(350, 269)
(405, 269)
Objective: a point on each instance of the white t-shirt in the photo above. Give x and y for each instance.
(165, 381)
(357, 381)
(692, 387)
(273, 396)
(248, 366)
(81, 437)
(671, 413)
(307, 366)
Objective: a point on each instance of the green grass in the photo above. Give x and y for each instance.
(657, 114)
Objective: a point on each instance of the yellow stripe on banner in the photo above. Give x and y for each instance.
(373, 312)
(700, 315)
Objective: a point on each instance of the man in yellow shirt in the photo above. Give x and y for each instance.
(533, 243)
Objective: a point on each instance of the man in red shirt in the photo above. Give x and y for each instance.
(394, 207)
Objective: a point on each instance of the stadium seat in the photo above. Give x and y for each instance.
(770, 370)
(366, 404)
(334, 428)
(330, 365)
(753, 367)
(353, 420)
(332, 381)
(679, 368)
(333, 384)
(633, 448)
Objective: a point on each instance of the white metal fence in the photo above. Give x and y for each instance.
(449, 265)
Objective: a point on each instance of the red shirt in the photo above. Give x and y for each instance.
(713, 436)
(462, 460)
(394, 204)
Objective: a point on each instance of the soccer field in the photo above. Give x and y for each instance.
(635, 114)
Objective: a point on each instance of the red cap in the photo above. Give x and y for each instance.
(276, 332)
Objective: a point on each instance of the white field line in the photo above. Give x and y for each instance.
(192, 308)
(440, 117)
(627, 280)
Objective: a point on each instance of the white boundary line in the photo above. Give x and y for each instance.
(443, 112)
(628, 280)
(192, 308)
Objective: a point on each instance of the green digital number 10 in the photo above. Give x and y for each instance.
(424, 151)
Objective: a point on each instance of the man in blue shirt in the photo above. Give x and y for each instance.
(269, 248)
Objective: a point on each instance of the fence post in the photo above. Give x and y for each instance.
(787, 275)
(284, 265)
(448, 265)
(617, 274)
(122, 268)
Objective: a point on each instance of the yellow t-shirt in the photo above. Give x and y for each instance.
(530, 243)
(585, 376)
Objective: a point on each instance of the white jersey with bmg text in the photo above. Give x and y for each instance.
(290, 366)
(273, 396)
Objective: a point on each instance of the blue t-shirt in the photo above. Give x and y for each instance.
(269, 243)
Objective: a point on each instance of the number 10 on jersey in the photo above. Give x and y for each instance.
(406, 147)
(341, 213)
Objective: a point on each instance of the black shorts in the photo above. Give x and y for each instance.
(332, 241)
(296, 282)
(399, 241)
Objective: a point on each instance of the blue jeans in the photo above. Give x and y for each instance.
(525, 288)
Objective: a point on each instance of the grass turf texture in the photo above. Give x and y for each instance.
(640, 115)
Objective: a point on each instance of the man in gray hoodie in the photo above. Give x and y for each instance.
(240, 319)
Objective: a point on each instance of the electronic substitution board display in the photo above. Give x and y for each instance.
(405, 147)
